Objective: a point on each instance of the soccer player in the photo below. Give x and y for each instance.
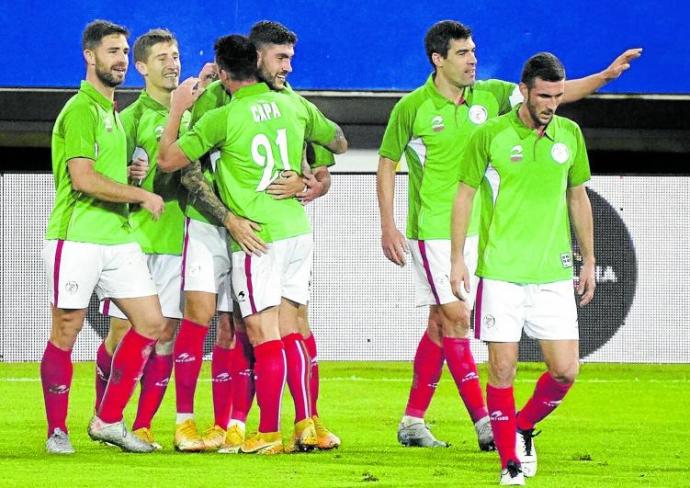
(431, 127)
(157, 58)
(260, 133)
(275, 44)
(90, 246)
(533, 166)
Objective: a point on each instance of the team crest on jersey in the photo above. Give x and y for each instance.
(71, 287)
(560, 153)
(158, 131)
(478, 114)
(516, 153)
(437, 124)
(108, 122)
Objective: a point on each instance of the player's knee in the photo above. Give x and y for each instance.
(168, 333)
(199, 312)
(566, 373)
(502, 372)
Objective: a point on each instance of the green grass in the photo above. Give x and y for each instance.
(621, 425)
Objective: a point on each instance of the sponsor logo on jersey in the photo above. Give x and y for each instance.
(567, 260)
(437, 124)
(478, 114)
(516, 153)
(560, 153)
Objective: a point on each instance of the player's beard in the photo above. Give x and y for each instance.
(106, 77)
(534, 115)
(270, 80)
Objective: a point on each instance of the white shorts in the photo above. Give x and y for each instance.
(545, 311)
(284, 271)
(166, 272)
(432, 265)
(206, 262)
(76, 269)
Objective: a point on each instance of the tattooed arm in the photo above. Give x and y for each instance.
(204, 199)
(339, 144)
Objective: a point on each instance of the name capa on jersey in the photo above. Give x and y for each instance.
(263, 111)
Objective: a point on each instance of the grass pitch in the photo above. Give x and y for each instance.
(621, 425)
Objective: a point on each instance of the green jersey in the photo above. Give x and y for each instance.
(525, 230)
(88, 127)
(144, 121)
(214, 96)
(432, 132)
(260, 133)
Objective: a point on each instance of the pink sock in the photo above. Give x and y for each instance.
(547, 395)
(56, 379)
(154, 382)
(128, 363)
(269, 372)
(502, 412)
(314, 382)
(428, 365)
(242, 372)
(221, 385)
(461, 365)
(188, 355)
(298, 374)
(103, 364)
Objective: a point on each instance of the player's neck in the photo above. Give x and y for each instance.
(447, 89)
(234, 86)
(526, 118)
(160, 95)
(106, 90)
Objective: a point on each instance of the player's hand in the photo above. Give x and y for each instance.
(138, 169)
(313, 189)
(621, 63)
(208, 74)
(394, 246)
(586, 283)
(243, 231)
(460, 281)
(154, 204)
(287, 185)
(186, 94)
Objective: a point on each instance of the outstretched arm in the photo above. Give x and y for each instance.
(581, 87)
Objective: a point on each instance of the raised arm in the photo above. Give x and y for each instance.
(580, 210)
(581, 87)
(170, 156)
(86, 179)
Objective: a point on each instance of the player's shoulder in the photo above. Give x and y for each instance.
(79, 108)
(134, 110)
(567, 124)
(415, 98)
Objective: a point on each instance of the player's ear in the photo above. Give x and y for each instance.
(437, 59)
(141, 68)
(523, 90)
(89, 56)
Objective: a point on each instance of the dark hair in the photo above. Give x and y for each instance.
(438, 37)
(270, 32)
(97, 29)
(236, 55)
(545, 66)
(144, 43)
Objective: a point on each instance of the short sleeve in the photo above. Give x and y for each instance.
(398, 131)
(319, 129)
(79, 126)
(475, 158)
(579, 171)
(206, 134)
